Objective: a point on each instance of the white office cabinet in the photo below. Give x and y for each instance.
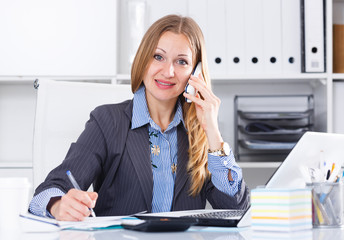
(87, 40)
(58, 38)
(17, 111)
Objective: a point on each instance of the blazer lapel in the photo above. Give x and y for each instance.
(183, 159)
(139, 152)
(138, 149)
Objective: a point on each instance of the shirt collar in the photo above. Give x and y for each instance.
(141, 114)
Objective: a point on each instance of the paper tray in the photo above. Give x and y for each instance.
(298, 131)
(275, 115)
(266, 145)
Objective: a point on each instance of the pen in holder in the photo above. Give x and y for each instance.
(328, 204)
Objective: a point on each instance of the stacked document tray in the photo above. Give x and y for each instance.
(268, 127)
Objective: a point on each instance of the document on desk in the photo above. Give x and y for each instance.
(33, 223)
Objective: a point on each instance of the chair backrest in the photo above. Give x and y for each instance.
(62, 109)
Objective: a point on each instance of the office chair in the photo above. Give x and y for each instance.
(62, 109)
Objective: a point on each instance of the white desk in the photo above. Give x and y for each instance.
(194, 233)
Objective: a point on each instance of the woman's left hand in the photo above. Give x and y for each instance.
(207, 110)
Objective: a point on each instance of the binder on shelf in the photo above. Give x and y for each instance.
(291, 32)
(338, 48)
(216, 26)
(131, 32)
(235, 34)
(272, 36)
(161, 8)
(313, 36)
(254, 36)
(197, 10)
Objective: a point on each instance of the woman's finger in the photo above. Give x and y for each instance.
(73, 206)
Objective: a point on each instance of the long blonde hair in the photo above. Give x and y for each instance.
(198, 144)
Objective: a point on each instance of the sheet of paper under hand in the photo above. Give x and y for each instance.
(33, 223)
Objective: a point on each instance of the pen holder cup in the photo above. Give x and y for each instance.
(327, 204)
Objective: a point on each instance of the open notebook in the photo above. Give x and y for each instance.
(33, 223)
(292, 173)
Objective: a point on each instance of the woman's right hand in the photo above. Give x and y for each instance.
(74, 206)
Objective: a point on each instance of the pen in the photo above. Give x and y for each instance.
(328, 174)
(333, 166)
(76, 186)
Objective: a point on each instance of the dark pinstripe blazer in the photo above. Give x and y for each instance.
(116, 159)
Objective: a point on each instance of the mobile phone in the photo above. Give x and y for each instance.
(190, 89)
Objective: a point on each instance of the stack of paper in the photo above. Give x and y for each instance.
(277, 209)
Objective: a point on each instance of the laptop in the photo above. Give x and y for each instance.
(292, 173)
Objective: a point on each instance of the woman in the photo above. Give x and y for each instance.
(155, 152)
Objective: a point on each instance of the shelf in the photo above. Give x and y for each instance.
(259, 164)
(31, 79)
(277, 77)
(338, 76)
(15, 164)
(123, 76)
(304, 77)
